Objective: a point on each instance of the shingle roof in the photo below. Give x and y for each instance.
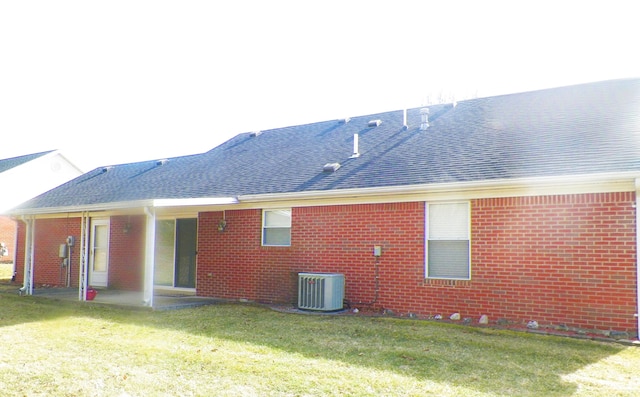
(7, 164)
(582, 129)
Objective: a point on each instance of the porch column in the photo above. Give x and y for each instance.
(149, 256)
(27, 285)
(83, 268)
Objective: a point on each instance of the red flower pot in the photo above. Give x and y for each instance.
(91, 293)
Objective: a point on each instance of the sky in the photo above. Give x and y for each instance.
(111, 82)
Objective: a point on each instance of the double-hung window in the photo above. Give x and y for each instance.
(276, 227)
(448, 241)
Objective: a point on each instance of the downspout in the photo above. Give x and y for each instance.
(27, 285)
(638, 256)
(149, 256)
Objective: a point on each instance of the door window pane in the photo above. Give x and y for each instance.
(100, 248)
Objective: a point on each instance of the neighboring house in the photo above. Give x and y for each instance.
(25, 177)
(519, 207)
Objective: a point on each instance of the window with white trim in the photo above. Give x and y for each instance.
(448, 241)
(276, 227)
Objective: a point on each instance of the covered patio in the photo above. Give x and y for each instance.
(163, 299)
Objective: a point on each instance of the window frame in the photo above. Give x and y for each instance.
(466, 238)
(265, 227)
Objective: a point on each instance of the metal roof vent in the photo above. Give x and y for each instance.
(255, 134)
(106, 169)
(424, 119)
(374, 123)
(331, 167)
(162, 162)
(345, 120)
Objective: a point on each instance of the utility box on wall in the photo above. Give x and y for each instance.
(321, 291)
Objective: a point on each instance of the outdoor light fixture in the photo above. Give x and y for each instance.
(222, 225)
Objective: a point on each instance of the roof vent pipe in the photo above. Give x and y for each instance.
(356, 152)
(424, 119)
(404, 120)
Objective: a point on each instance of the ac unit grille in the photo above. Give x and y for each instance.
(320, 291)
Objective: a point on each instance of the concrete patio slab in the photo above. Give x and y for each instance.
(163, 299)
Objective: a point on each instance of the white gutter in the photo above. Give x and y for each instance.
(591, 183)
(81, 208)
(521, 186)
(123, 205)
(195, 201)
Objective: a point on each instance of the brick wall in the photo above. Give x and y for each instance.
(554, 259)
(126, 252)
(8, 236)
(233, 264)
(49, 234)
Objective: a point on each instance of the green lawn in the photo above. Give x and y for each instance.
(53, 348)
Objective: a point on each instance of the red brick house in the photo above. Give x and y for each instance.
(22, 178)
(519, 207)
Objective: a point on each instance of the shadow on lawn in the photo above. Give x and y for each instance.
(16, 309)
(486, 360)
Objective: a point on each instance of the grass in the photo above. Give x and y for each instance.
(53, 348)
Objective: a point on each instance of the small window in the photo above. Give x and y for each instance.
(276, 227)
(448, 241)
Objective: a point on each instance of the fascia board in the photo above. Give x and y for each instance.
(200, 201)
(570, 184)
(81, 208)
(125, 205)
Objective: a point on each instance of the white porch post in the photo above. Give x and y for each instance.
(149, 261)
(83, 279)
(27, 286)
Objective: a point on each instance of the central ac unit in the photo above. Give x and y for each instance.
(321, 291)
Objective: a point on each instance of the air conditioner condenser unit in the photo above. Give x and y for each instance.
(321, 291)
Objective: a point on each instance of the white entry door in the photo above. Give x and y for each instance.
(99, 255)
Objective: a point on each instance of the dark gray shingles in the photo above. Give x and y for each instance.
(591, 128)
(7, 164)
